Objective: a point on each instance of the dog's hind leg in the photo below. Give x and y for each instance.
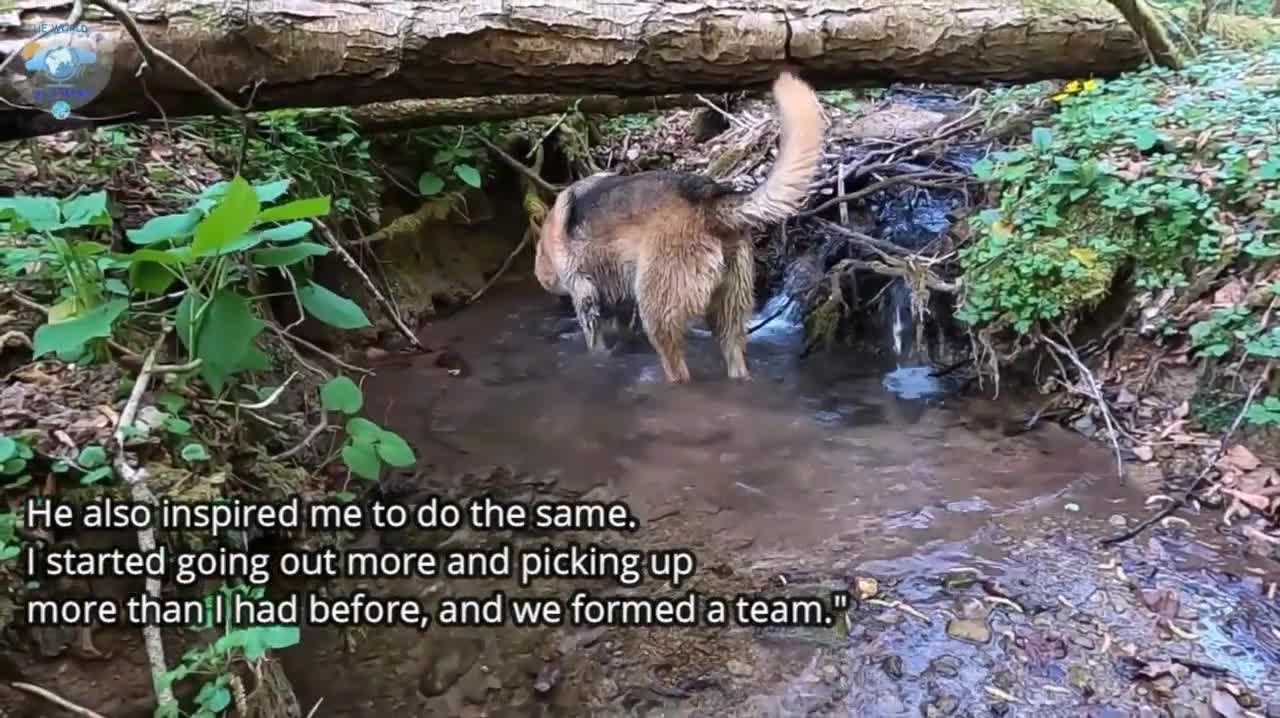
(671, 289)
(586, 304)
(731, 307)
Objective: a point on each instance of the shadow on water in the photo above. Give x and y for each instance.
(990, 593)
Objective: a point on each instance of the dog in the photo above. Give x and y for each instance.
(678, 244)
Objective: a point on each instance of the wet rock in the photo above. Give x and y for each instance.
(547, 678)
(1183, 711)
(892, 666)
(960, 579)
(866, 587)
(945, 666)
(738, 668)
(1224, 705)
(971, 630)
(1080, 679)
(1273, 708)
(1118, 521)
(944, 706)
(454, 659)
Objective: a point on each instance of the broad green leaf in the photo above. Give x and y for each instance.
(287, 255)
(297, 209)
(219, 698)
(363, 460)
(287, 232)
(9, 448)
(1041, 138)
(1144, 138)
(92, 457)
(430, 184)
(332, 309)
(172, 257)
(255, 360)
(40, 213)
(272, 191)
(9, 552)
(467, 174)
(225, 336)
(363, 430)
(228, 221)
(150, 277)
(165, 227)
(195, 452)
(178, 426)
(13, 467)
(73, 334)
(341, 394)
(98, 474)
(393, 449)
(88, 210)
(281, 636)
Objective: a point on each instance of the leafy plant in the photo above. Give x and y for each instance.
(10, 543)
(368, 447)
(15, 458)
(215, 661)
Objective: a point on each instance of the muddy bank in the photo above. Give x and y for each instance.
(975, 552)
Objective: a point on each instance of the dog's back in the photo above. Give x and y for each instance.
(678, 243)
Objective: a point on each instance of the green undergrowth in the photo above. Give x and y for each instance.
(1156, 180)
(108, 295)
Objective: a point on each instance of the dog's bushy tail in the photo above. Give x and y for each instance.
(788, 183)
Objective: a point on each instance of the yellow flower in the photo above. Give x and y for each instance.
(1072, 87)
(1061, 96)
(1091, 85)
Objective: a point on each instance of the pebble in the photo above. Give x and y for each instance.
(972, 630)
(738, 668)
(448, 667)
(1118, 521)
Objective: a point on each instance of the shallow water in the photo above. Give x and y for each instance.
(819, 472)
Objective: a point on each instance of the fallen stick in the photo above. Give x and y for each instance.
(1095, 391)
(1186, 493)
(387, 307)
(55, 699)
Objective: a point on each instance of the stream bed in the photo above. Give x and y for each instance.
(973, 554)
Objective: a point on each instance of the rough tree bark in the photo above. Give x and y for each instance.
(342, 52)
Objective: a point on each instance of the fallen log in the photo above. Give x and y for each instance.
(304, 53)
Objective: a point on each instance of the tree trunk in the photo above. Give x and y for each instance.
(306, 53)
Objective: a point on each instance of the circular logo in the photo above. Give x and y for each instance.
(64, 71)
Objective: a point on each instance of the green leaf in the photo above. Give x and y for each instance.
(41, 213)
(86, 211)
(9, 552)
(92, 457)
(165, 227)
(216, 700)
(225, 336)
(272, 191)
(1270, 169)
(177, 426)
(297, 209)
(287, 255)
(467, 174)
(98, 474)
(184, 320)
(362, 460)
(229, 220)
(8, 449)
(281, 636)
(195, 452)
(73, 334)
(1144, 138)
(341, 394)
(1041, 138)
(430, 184)
(332, 309)
(287, 232)
(363, 430)
(150, 277)
(393, 449)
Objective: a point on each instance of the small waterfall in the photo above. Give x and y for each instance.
(901, 322)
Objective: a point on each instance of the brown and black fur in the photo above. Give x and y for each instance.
(678, 244)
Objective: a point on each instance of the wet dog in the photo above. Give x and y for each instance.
(678, 244)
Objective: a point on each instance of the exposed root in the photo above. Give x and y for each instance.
(1094, 392)
(55, 699)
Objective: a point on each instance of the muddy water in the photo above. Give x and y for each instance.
(975, 554)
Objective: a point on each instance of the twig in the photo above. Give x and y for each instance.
(1182, 497)
(136, 478)
(524, 242)
(771, 317)
(876, 187)
(1095, 389)
(311, 713)
(387, 307)
(723, 113)
(306, 440)
(54, 697)
(312, 347)
(519, 166)
(272, 398)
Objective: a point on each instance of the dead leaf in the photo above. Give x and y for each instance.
(1231, 293)
(1253, 501)
(1162, 601)
(1183, 410)
(1239, 458)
